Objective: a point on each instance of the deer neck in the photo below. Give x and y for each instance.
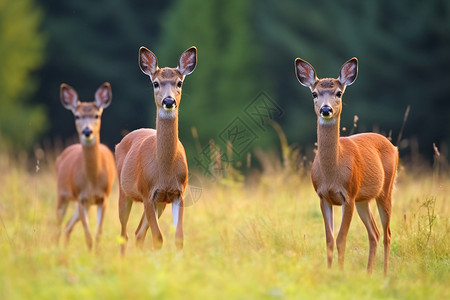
(91, 160)
(166, 138)
(328, 146)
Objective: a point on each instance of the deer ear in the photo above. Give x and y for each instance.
(306, 74)
(147, 61)
(187, 61)
(68, 96)
(103, 95)
(349, 71)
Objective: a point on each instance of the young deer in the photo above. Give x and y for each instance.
(151, 164)
(348, 170)
(85, 171)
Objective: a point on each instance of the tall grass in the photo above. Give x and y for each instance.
(259, 240)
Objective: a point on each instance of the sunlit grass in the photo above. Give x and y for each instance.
(242, 241)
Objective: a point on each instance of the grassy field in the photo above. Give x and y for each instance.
(242, 241)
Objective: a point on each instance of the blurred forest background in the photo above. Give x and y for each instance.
(245, 74)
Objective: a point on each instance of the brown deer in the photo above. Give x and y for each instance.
(151, 164)
(348, 170)
(85, 171)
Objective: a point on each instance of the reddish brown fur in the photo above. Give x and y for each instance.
(168, 73)
(349, 170)
(326, 83)
(85, 173)
(151, 164)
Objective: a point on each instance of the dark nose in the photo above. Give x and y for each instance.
(169, 102)
(326, 111)
(87, 132)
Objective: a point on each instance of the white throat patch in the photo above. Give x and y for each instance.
(167, 114)
(323, 121)
(87, 142)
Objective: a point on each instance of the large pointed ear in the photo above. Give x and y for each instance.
(349, 71)
(147, 61)
(68, 96)
(187, 61)
(103, 95)
(306, 74)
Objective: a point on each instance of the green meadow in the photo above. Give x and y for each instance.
(260, 238)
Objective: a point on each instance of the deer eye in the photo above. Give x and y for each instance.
(314, 94)
(155, 85)
(77, 117)
(339, 94)
(96, 116)
(179, 84)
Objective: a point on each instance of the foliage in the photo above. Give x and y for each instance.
(262, 240)
(93, 42)
(21, 53)
(430, 218)
(246, 47)
(402, 49)
(228, 74)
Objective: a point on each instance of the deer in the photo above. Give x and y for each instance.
(85, 171)
(348, 171)
(151, 163)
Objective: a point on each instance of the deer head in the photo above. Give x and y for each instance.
(327, 92)
(167, 82)
(87, 114)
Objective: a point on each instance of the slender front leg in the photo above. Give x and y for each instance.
(60, 213)
(82, 208)
(125, 205)
(159, 206)
(177, 213)
(100, 218)
(141, 231)
(384, 208)
(347, 214)
(150, 212)
(328, 218)
(70, 224)
(366, 216)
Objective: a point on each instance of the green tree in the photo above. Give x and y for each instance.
(228, 74)
(402, 47)
(248, 46)
(21, 53)
(91, 42)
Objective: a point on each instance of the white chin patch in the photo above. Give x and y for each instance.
(167, 113)
(87, 141)
(168, 109)
(327, 121)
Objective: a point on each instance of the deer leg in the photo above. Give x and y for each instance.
(366, 216)
(125, 205)
(150, 212)
(82, 207)
(177, 213)
(70, 224)
(347, 213)
(61, 210)
(327, 213)
(384, 208)
(141, 231)
(100, 218)
(160, 208)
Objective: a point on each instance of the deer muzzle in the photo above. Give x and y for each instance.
(169, 103)
(326, 112)
(87, 132)
(87, 137)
